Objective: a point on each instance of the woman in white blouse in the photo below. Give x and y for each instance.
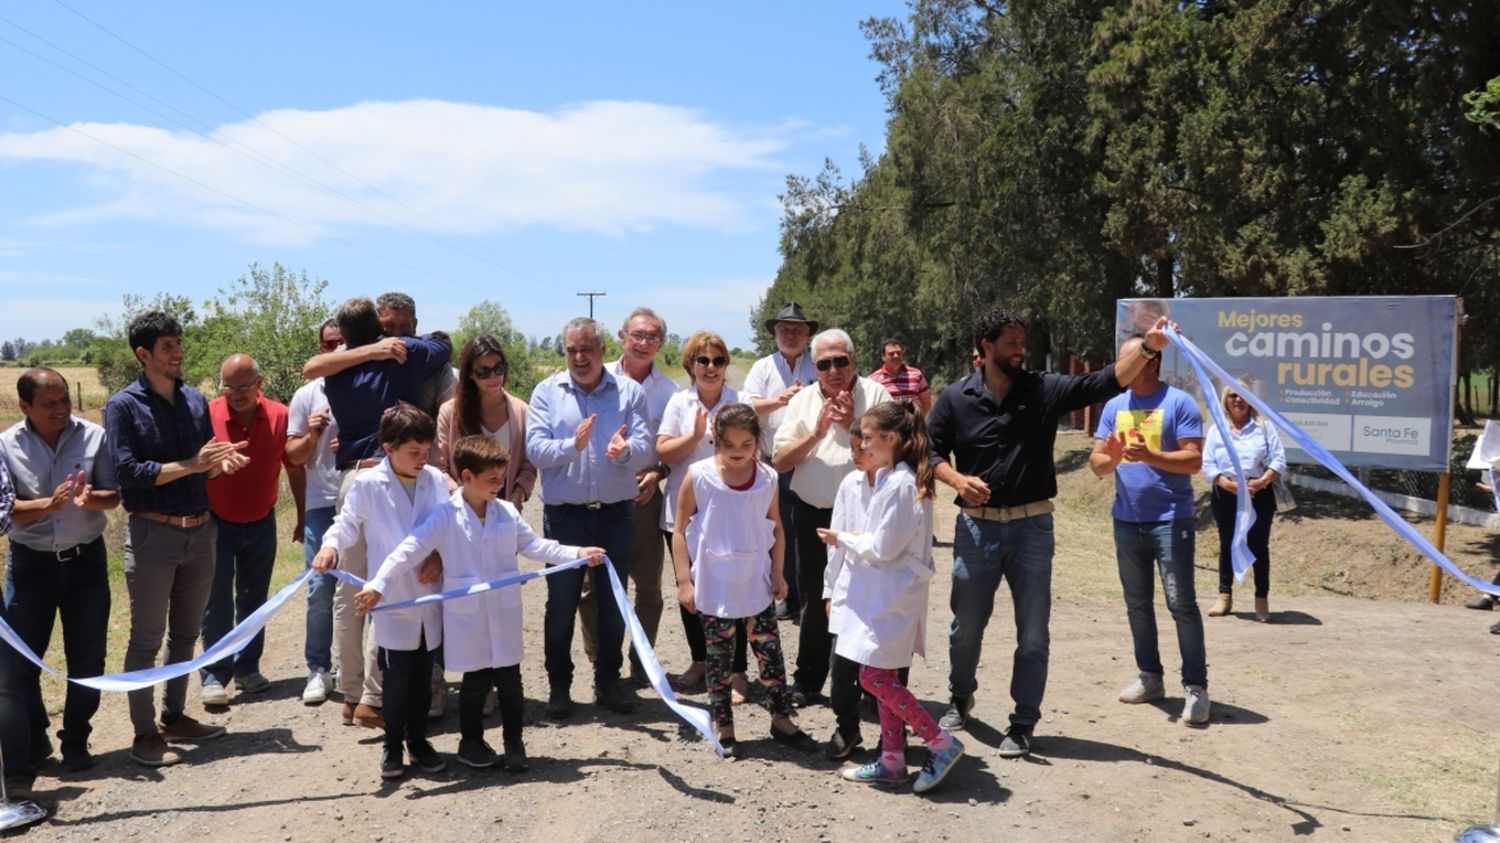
(1263, 459)
(683, 439)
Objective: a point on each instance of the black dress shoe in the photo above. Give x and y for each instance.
(559, 704)
(614, 698)
(798, 740)
(841, 746)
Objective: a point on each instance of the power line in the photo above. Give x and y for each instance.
(522, 271)
(251, 205)
(245, 150)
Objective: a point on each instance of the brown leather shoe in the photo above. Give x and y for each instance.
(1223, 606)
(348, 713)
(188, 729)
(1263, 609)
(152, 750)
(369, 716)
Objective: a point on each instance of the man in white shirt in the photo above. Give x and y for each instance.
(310, 435)
(771, 384)
(814, 440)
(641, 336)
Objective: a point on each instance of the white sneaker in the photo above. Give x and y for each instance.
(319, 686)
(213, 693)
(1147, 687)
(1196, 707)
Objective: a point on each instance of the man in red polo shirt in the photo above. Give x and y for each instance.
(905, 383)
(244, 508)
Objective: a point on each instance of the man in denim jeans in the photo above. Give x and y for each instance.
(999, 424)
(1151, 439)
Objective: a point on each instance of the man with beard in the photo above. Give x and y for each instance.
(999, 425)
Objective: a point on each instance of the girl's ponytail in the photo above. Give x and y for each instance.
(913, 447)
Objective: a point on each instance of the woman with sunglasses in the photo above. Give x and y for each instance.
(684, 438)
(1263, 459)
(482, 407)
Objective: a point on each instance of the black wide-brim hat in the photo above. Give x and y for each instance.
(791, 313)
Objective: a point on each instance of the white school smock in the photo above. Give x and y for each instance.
(378, 506)
(884, 617)
(729, 541)
(484, 630)
(680, 416)
(851, 508)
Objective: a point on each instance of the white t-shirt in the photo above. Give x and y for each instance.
(322, 476)
(680, 416)
(769, 377)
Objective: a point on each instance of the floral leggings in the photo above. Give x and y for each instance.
(765, 642)
(898, 708)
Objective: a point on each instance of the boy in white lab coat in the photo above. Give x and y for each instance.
(479, 538)
(385, 503)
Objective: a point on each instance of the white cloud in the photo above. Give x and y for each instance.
(610, 167)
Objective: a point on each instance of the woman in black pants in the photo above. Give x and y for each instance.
(1263, 459)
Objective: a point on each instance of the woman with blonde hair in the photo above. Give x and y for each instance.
(1263, 459)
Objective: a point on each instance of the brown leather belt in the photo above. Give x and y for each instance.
(186, 522)
(1005, 514)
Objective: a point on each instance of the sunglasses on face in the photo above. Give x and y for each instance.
(830, 362)
(716, 362)
(330, 345)
(486, 372)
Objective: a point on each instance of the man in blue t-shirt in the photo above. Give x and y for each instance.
(1151, 438)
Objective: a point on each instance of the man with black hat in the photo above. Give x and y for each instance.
(772, 382)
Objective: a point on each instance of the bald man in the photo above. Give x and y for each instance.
(244, 509)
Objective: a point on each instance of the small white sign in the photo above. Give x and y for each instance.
(1392, 434)
(1330, 430)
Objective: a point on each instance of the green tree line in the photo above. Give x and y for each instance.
(1055, 155)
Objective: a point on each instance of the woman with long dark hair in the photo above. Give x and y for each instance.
(481, 407)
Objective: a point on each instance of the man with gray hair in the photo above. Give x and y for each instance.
(641, 336)
(587, 433)
(244, 510)
(814, 440)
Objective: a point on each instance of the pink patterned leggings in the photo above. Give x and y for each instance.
(897, 708)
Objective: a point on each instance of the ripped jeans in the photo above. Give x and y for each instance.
(1167, 547)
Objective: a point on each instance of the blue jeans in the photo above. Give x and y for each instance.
(244, 556)
(984, 553)
(37, 589)
(612, 528)
(1166, 546)
(320, 588)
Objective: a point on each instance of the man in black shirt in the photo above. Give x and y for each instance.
(999, 425)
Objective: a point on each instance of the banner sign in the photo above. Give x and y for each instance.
(1370, 378)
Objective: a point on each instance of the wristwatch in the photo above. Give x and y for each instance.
(1149, 353)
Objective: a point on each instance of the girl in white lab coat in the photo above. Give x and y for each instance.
(727, 547)
(880, 624)
(479, 538)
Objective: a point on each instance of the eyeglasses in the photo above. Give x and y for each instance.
(330, 345)
(830, 362)
(716, 362)
(484, 373)
(247, 388)
(644, 339)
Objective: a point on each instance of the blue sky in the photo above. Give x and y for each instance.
(458, 151)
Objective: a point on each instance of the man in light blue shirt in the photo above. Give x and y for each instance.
(588, 434)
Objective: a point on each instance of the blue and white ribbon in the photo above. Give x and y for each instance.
(1200, 361)
(136, 679)
(1244, 514)
(695, 716)
(241, 635)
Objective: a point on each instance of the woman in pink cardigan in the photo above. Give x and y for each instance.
(482, 407)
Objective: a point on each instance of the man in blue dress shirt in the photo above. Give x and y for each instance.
(588, 434)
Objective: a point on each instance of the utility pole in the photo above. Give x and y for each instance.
(592, 296)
